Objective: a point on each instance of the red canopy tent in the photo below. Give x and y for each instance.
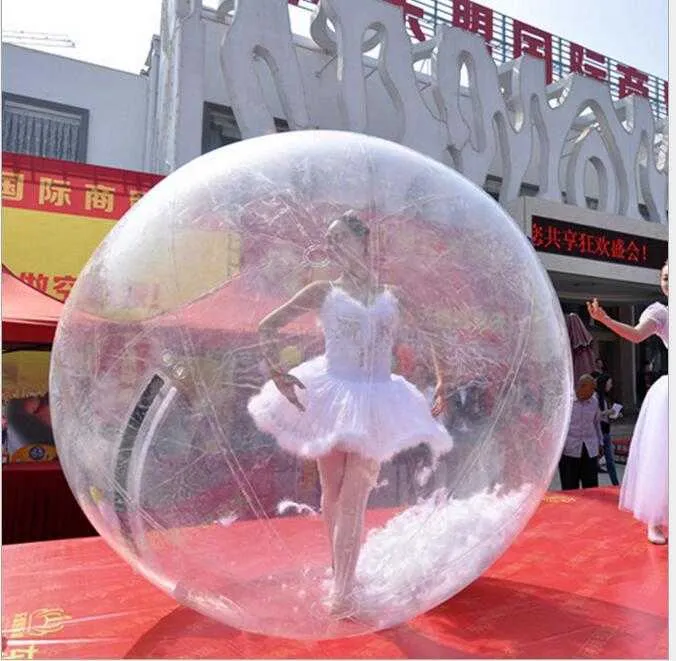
(234, 308)
(28, 315)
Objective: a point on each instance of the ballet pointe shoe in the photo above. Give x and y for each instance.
(656, 535)
(342, 607)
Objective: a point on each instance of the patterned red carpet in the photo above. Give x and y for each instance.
(580, 581)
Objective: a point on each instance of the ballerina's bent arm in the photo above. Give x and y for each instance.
(308, 299)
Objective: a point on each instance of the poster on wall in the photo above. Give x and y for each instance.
(27, 430)
(26, 423)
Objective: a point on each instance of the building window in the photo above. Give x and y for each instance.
(42, 128)
(219, 127)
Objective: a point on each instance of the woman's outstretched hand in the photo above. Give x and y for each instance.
(595, 310)
(286, 384)
(439, 400)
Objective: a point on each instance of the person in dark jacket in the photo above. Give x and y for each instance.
(604, 384)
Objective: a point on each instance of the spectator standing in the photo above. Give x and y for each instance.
(604, 384)
(579, 462)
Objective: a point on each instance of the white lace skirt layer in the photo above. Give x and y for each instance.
(377, 418)
(645, 488)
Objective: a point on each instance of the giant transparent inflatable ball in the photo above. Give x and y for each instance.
(332, 465)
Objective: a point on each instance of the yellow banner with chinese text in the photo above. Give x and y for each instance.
(55, 213)
(48, 250)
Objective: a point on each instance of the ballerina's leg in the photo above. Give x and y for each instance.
(359, 478)
(331, 470)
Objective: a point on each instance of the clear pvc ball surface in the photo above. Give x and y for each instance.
(197, 469)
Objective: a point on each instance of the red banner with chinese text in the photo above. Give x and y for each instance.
(30, 182)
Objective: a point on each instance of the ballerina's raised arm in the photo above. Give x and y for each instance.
(636, 334)
(646, 326)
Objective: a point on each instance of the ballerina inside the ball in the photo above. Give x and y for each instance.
(345, 409)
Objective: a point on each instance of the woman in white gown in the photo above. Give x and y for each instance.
(344, 408)
(645, 488)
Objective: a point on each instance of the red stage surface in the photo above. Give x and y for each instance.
(580, 581)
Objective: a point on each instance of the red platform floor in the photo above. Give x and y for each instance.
(581, 581)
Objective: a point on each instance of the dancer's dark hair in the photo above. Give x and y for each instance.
(356, 225)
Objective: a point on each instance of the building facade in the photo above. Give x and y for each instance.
(57, 107)
(572, 144)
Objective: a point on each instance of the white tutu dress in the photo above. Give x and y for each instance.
(352, 401)
(645, 488)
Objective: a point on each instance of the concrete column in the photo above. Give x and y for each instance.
(150, 160)
(627, 381)
(178, 119)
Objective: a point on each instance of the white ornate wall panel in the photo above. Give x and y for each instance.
(505, 123)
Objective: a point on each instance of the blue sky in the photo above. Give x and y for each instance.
(632, 31)
(117, 33)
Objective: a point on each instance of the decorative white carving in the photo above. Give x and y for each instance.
(261, 30)
(487, 127)
(394, 66)
(590, 148)
(559, 127)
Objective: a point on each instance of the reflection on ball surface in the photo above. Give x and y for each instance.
(312, 384)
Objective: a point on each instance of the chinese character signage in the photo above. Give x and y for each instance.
(73, 188)
(573, 240)
(474, 18)
(12, 186)
(532, 41)
(58, 285)
(587, 62)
